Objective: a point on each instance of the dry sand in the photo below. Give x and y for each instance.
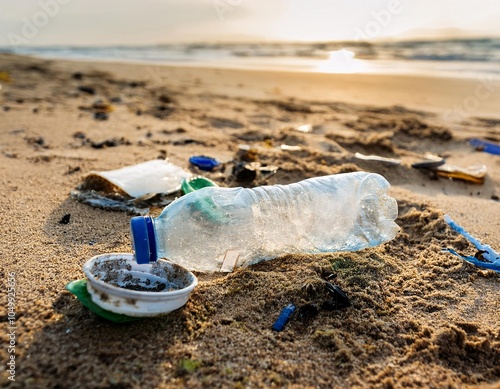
(419, 317)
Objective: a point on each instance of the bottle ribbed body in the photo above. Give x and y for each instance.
(343, 212)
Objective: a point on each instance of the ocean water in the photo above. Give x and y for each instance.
(444, 58)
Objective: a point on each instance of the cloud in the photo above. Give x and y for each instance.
(140, 22)
(97, 22)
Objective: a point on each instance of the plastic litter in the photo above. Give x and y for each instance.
(474, 174)
(118, 203)
(132, 188)
(487, 147)
(377, 158)
(431, 162)
(305, 128)
(79, 289)
(290, 148)
(344, 212)
(247, 172)
(284, 317)
(486, 257)
(244, 147)
(204, 163)
(117, 284)
(339, 300)
(255, 149)
(156, 176)
(196, 183)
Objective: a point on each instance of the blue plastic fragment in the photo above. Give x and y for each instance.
(489, 258)
(283, 318)
(487, 147)
(203, 162)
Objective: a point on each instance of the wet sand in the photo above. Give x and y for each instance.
(419, 317)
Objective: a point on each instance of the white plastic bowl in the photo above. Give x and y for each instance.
(112, 278)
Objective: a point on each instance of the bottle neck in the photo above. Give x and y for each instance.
(153, 256)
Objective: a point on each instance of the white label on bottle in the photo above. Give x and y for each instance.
(230, 261)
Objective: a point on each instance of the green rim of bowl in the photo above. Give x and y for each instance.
(79, 289)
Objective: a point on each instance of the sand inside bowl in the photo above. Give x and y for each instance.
(159, 277)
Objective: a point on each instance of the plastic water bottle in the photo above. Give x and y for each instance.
(205, 229)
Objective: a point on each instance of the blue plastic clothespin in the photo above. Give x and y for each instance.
(490, 258)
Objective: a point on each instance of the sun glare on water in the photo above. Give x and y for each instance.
(342, 61)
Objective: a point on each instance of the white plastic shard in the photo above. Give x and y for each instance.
(229, 261)
(305, 128)
(391, 161)
(156, 176)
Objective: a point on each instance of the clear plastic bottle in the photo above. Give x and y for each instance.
(343, 212)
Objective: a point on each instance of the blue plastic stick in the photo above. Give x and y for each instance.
(491, 258)
(487, 147)
(283, 318)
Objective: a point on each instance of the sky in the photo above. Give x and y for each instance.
(136, 22)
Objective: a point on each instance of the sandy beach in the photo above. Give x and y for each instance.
(419, 317)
